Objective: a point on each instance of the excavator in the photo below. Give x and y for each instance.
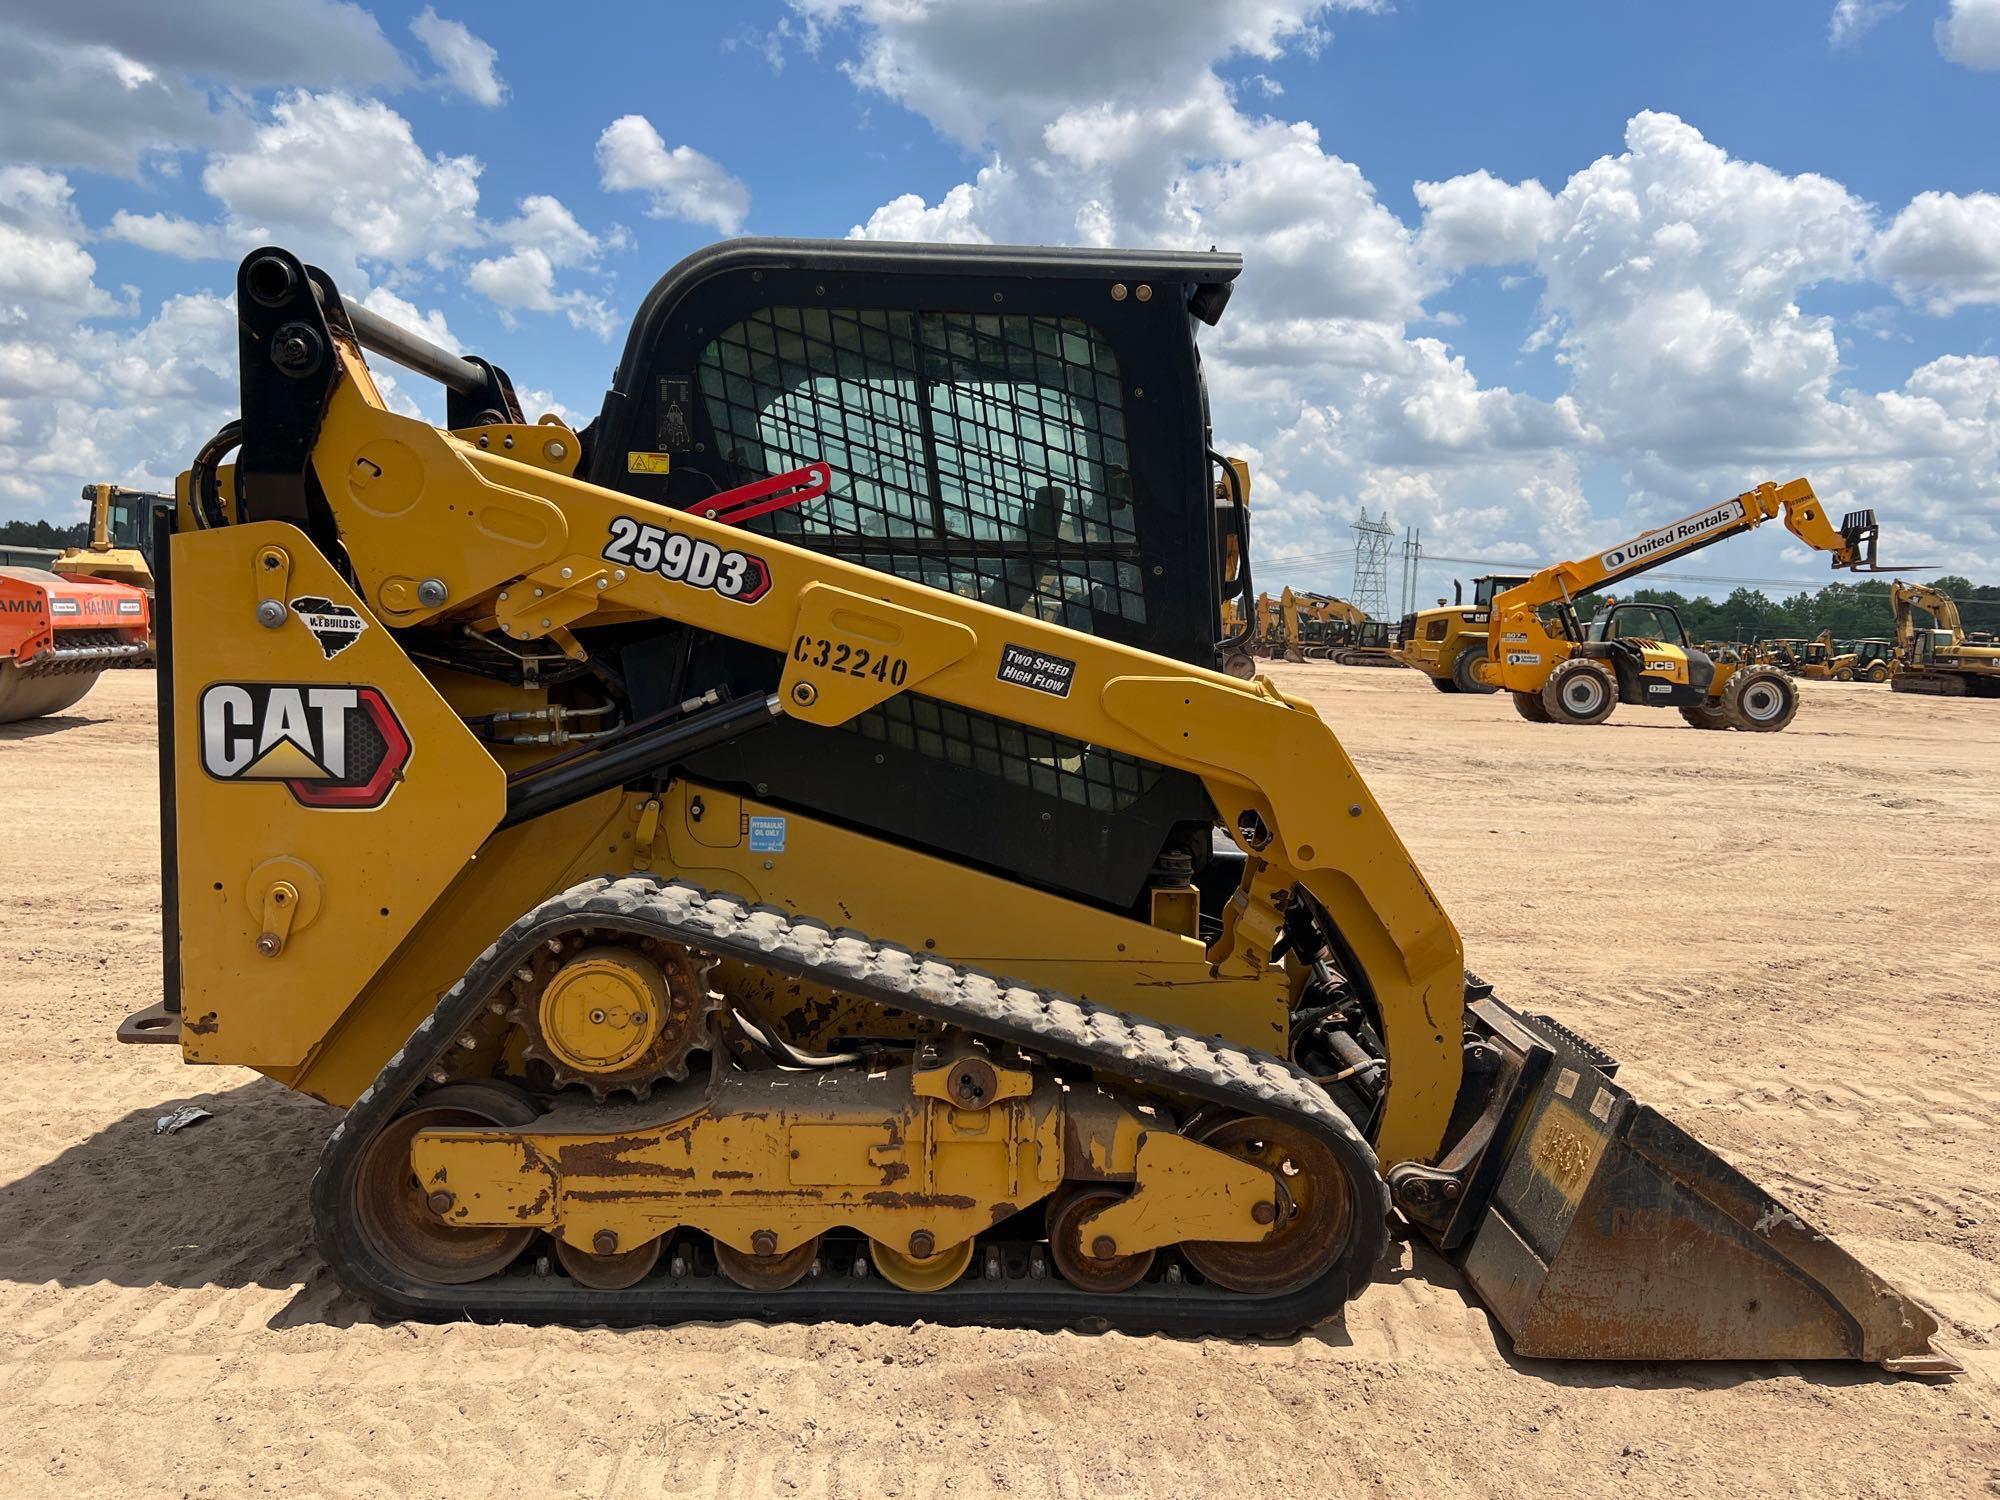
(786, 851)
(1559, 671)
(1943, 660)
(1448, 643)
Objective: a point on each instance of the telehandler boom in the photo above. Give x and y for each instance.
(1640, 653)
(785, 850)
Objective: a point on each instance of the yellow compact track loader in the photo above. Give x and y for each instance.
(1942, 660)
(786, 851)
(1560, 671)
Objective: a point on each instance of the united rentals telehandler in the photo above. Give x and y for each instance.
(1941, 660)
(1561, 672)
(785, 851)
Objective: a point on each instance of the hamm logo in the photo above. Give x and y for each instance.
(338, 747)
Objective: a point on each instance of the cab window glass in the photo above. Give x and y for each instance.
(984, 454)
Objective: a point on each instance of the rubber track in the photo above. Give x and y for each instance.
(1042, 1021)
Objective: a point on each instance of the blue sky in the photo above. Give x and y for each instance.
(1527, 275)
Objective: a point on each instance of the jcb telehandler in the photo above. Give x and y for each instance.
(785, 850)
(1560, 671)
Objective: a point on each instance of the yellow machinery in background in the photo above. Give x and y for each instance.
(1448, 643)
(121, 538)
(1943, 659)
(778, 882)
(1560, 671)
(1821, 660)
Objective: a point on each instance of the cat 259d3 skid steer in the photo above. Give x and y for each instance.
(786, 851)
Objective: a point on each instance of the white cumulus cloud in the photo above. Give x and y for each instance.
(681, 183)
(1970, 34)
(468, 64)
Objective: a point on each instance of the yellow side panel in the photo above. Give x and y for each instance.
(260, 733)
(926, 904)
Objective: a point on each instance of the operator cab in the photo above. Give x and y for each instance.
(1023, 426)
(1649, 648)
(1485, 590)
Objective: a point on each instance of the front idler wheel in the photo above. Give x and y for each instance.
(1314, 1219)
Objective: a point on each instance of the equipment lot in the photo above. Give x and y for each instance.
(1790, 943)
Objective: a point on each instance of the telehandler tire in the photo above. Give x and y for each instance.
(1760, 701)
(1465, 673)
(1579, 691)
(1705, 716)
(1529, 707)
(1444, 684)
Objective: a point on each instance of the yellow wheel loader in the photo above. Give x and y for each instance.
(1560, 671)
(786, 851)
(1943, 660)
(1448, 644)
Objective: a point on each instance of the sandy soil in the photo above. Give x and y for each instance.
(1790, 939)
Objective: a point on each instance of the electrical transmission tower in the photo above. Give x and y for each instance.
(1372, 540)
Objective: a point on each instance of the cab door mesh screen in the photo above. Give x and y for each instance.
(982, 454)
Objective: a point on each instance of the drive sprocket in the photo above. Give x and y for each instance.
(610, 1012)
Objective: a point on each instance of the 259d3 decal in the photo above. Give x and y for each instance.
(679, 558)
(334, 747)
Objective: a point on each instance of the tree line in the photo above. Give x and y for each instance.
(1852, 611)
(42, 534)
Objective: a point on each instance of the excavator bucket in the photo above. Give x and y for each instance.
(1593, 1227)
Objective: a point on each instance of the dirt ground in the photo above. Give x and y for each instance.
(1790, 939)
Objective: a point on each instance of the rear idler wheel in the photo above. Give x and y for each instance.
(1074, 1251)
(613, 1270)
(921, 1273)
(1314, 1219)
(766, 1273)
(397, 1218)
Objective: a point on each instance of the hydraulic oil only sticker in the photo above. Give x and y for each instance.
(1037, 670)
(334, 626)
(767, 835)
